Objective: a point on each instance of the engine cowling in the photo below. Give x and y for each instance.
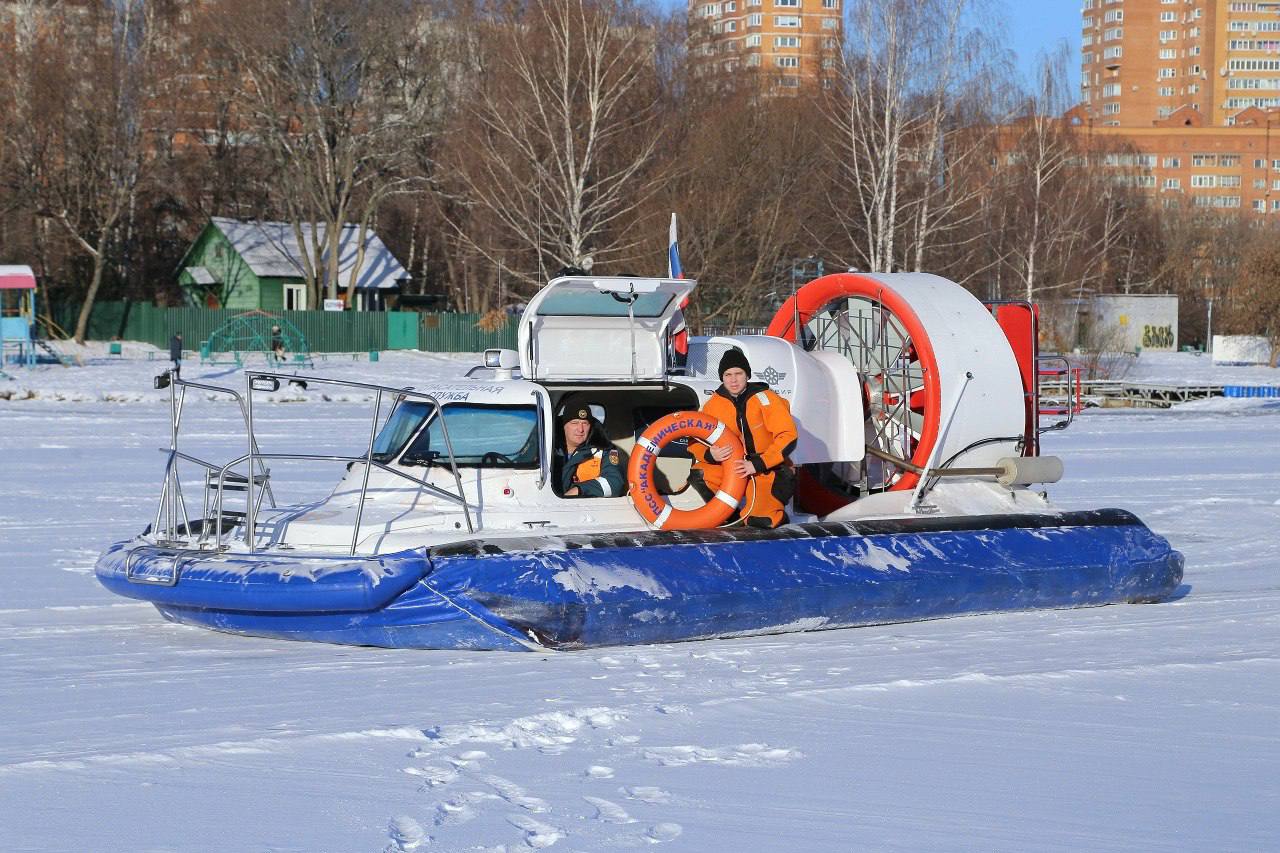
(913, 337)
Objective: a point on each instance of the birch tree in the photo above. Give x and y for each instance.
(1069, 199)
(905, 65)
(561, 141)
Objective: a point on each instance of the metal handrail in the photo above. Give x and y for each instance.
(544, 465)
(1072, 390)
(246, 413)
(172, 502)
(379, 390)
(223, 470)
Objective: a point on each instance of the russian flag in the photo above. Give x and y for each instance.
(680, 336)
(673, 252)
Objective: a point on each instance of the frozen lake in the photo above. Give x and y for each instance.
(1140, 728)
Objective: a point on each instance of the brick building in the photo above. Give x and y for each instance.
(788, 43)
(1194, 85)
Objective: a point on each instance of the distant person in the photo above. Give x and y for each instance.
(175, 350)
(762, 420)
(277, 343)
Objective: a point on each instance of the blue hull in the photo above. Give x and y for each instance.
(585, 591)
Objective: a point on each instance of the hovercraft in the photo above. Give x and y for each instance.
(920, 488)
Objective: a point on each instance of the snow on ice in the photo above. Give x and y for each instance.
(1115, 728)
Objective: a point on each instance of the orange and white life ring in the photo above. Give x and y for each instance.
(654, 507)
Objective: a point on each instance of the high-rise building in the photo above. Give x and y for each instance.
(1194, 86)
(788, 43)
(1145, 61)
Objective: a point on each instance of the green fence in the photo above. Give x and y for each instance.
(325, 331)
(460, 333)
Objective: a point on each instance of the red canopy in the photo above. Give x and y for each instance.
(17, 278)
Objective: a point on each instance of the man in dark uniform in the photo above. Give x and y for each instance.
(589, 467)
(175, 349)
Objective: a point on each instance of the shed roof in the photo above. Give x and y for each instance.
(271, 249)
(201, 275)
(17, 278)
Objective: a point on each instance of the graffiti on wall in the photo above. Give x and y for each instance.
(1157, 337)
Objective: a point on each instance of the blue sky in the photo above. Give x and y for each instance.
(1032, 26)
(1038, 26)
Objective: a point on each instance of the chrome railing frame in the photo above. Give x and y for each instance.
(172, 504)
(1071, 392)
(379, 390)
(172, 501)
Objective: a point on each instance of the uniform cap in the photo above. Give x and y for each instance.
(581, 412)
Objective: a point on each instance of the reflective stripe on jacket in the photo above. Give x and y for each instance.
(597, 473)
(760, 418)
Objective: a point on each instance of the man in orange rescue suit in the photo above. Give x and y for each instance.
(763, 421)
(588, 466)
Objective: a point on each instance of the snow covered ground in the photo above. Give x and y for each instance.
(1142, 728)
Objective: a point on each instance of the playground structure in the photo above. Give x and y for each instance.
(17, 317)
(20, 341)
(256, 332)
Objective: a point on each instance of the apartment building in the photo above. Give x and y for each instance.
(1144, 60)
(788, 43)
(1194, 85)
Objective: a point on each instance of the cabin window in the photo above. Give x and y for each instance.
(597, 303)
(482, 436)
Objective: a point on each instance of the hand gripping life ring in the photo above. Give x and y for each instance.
(652, 506)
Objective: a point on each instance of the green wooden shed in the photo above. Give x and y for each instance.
(257, 265)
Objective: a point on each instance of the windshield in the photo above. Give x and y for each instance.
(595, 303)
(399, 428)
(483, 436)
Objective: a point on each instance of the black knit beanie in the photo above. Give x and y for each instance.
(734, 358)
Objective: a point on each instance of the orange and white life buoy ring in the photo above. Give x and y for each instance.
(654, 507)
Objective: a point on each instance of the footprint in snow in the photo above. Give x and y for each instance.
(466, 759)
(406, 834)
(514, 794)
(459, 809)
(647, 794)
(743, 755)
(536, 833)
(609, 811)
(661, 832)
(433, 775)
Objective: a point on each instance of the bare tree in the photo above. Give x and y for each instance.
(905, 66)
(343, 98)
(79, 80)
(1069, 203)
(1198, 255)
(1255, 310)
(1043, 175)
(744, 194)
(559, 151)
